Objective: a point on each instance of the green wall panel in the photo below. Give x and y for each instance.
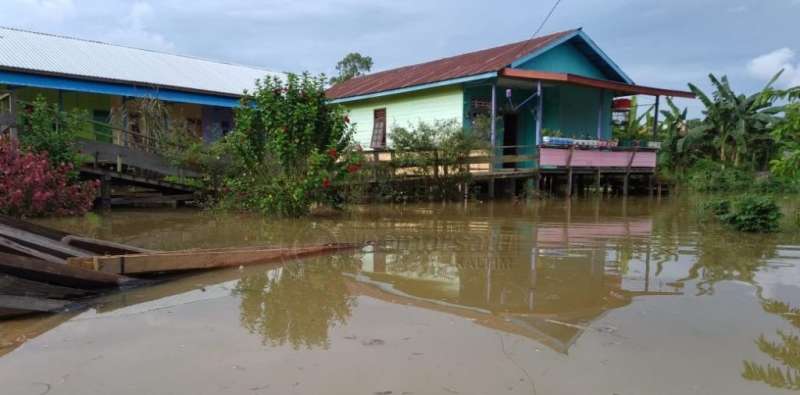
(405, 110)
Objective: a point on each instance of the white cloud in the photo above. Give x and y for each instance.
(41, 11)
(134, 30)
(765, 66)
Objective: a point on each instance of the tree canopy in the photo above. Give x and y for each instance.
(352, 65)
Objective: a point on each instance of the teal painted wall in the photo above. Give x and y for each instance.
(564, 58)
(526, 122)
(576, 111)
(572, 110)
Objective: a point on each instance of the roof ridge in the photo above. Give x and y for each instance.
(66, 37)
(521, 42)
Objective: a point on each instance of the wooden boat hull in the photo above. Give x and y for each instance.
(137, 264)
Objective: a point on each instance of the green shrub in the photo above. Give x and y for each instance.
(751, 213)
(714, 208)
(47, 130)
(290, 149)
(438, 153)
(710, 176)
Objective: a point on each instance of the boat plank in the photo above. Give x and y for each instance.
(103, 247)
(40, 241)
(199, 259)
(25, 250)
(58, 273)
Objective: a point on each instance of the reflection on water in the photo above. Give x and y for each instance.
(546, 280)
(784, 369)
(549, 271)
(297, 303)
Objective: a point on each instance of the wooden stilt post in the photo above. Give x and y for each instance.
(491, 187)
(569, 182)
(569, 171)
(650, 185)
(597, 189)
(105, 192)
(625, 180)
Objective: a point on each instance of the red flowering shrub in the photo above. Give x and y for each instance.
(31, 187)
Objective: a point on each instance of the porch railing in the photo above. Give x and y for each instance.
(435, 163)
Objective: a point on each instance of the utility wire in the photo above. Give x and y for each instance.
(549, 14)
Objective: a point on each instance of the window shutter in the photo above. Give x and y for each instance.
(379, 129)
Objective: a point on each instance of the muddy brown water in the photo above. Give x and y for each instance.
(587, 297)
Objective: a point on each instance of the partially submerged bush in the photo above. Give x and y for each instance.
(290, 150)
(439, 152)
(30, 186)
(750, 213)
(715, 208)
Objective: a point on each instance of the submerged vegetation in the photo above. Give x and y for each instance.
(289, 151)
(436, 153)
(748, 213)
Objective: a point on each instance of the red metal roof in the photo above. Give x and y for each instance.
(465, 65)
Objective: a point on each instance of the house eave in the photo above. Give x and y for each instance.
(414, 88)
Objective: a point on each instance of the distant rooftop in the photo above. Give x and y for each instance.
(48, 54)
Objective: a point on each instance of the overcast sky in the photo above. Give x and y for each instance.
(658, 43)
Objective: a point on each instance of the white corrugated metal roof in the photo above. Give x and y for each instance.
(46, 53)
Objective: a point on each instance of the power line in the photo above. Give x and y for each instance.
(549, 14)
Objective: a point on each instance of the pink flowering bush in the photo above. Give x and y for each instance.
(31, 187)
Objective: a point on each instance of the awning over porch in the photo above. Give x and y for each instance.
(619, 88)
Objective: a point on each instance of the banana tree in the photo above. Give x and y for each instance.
(673, 132)
(737, 126)
(632, 128)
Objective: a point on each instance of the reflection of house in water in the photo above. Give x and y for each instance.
(546, 281)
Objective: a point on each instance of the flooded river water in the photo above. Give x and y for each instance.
(587, 297)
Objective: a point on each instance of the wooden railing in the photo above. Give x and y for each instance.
(435, 163)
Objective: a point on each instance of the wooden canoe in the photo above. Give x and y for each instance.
(137, 264)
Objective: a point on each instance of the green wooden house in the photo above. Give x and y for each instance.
(562, 82)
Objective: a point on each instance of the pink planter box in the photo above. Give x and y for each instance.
(557, 157)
